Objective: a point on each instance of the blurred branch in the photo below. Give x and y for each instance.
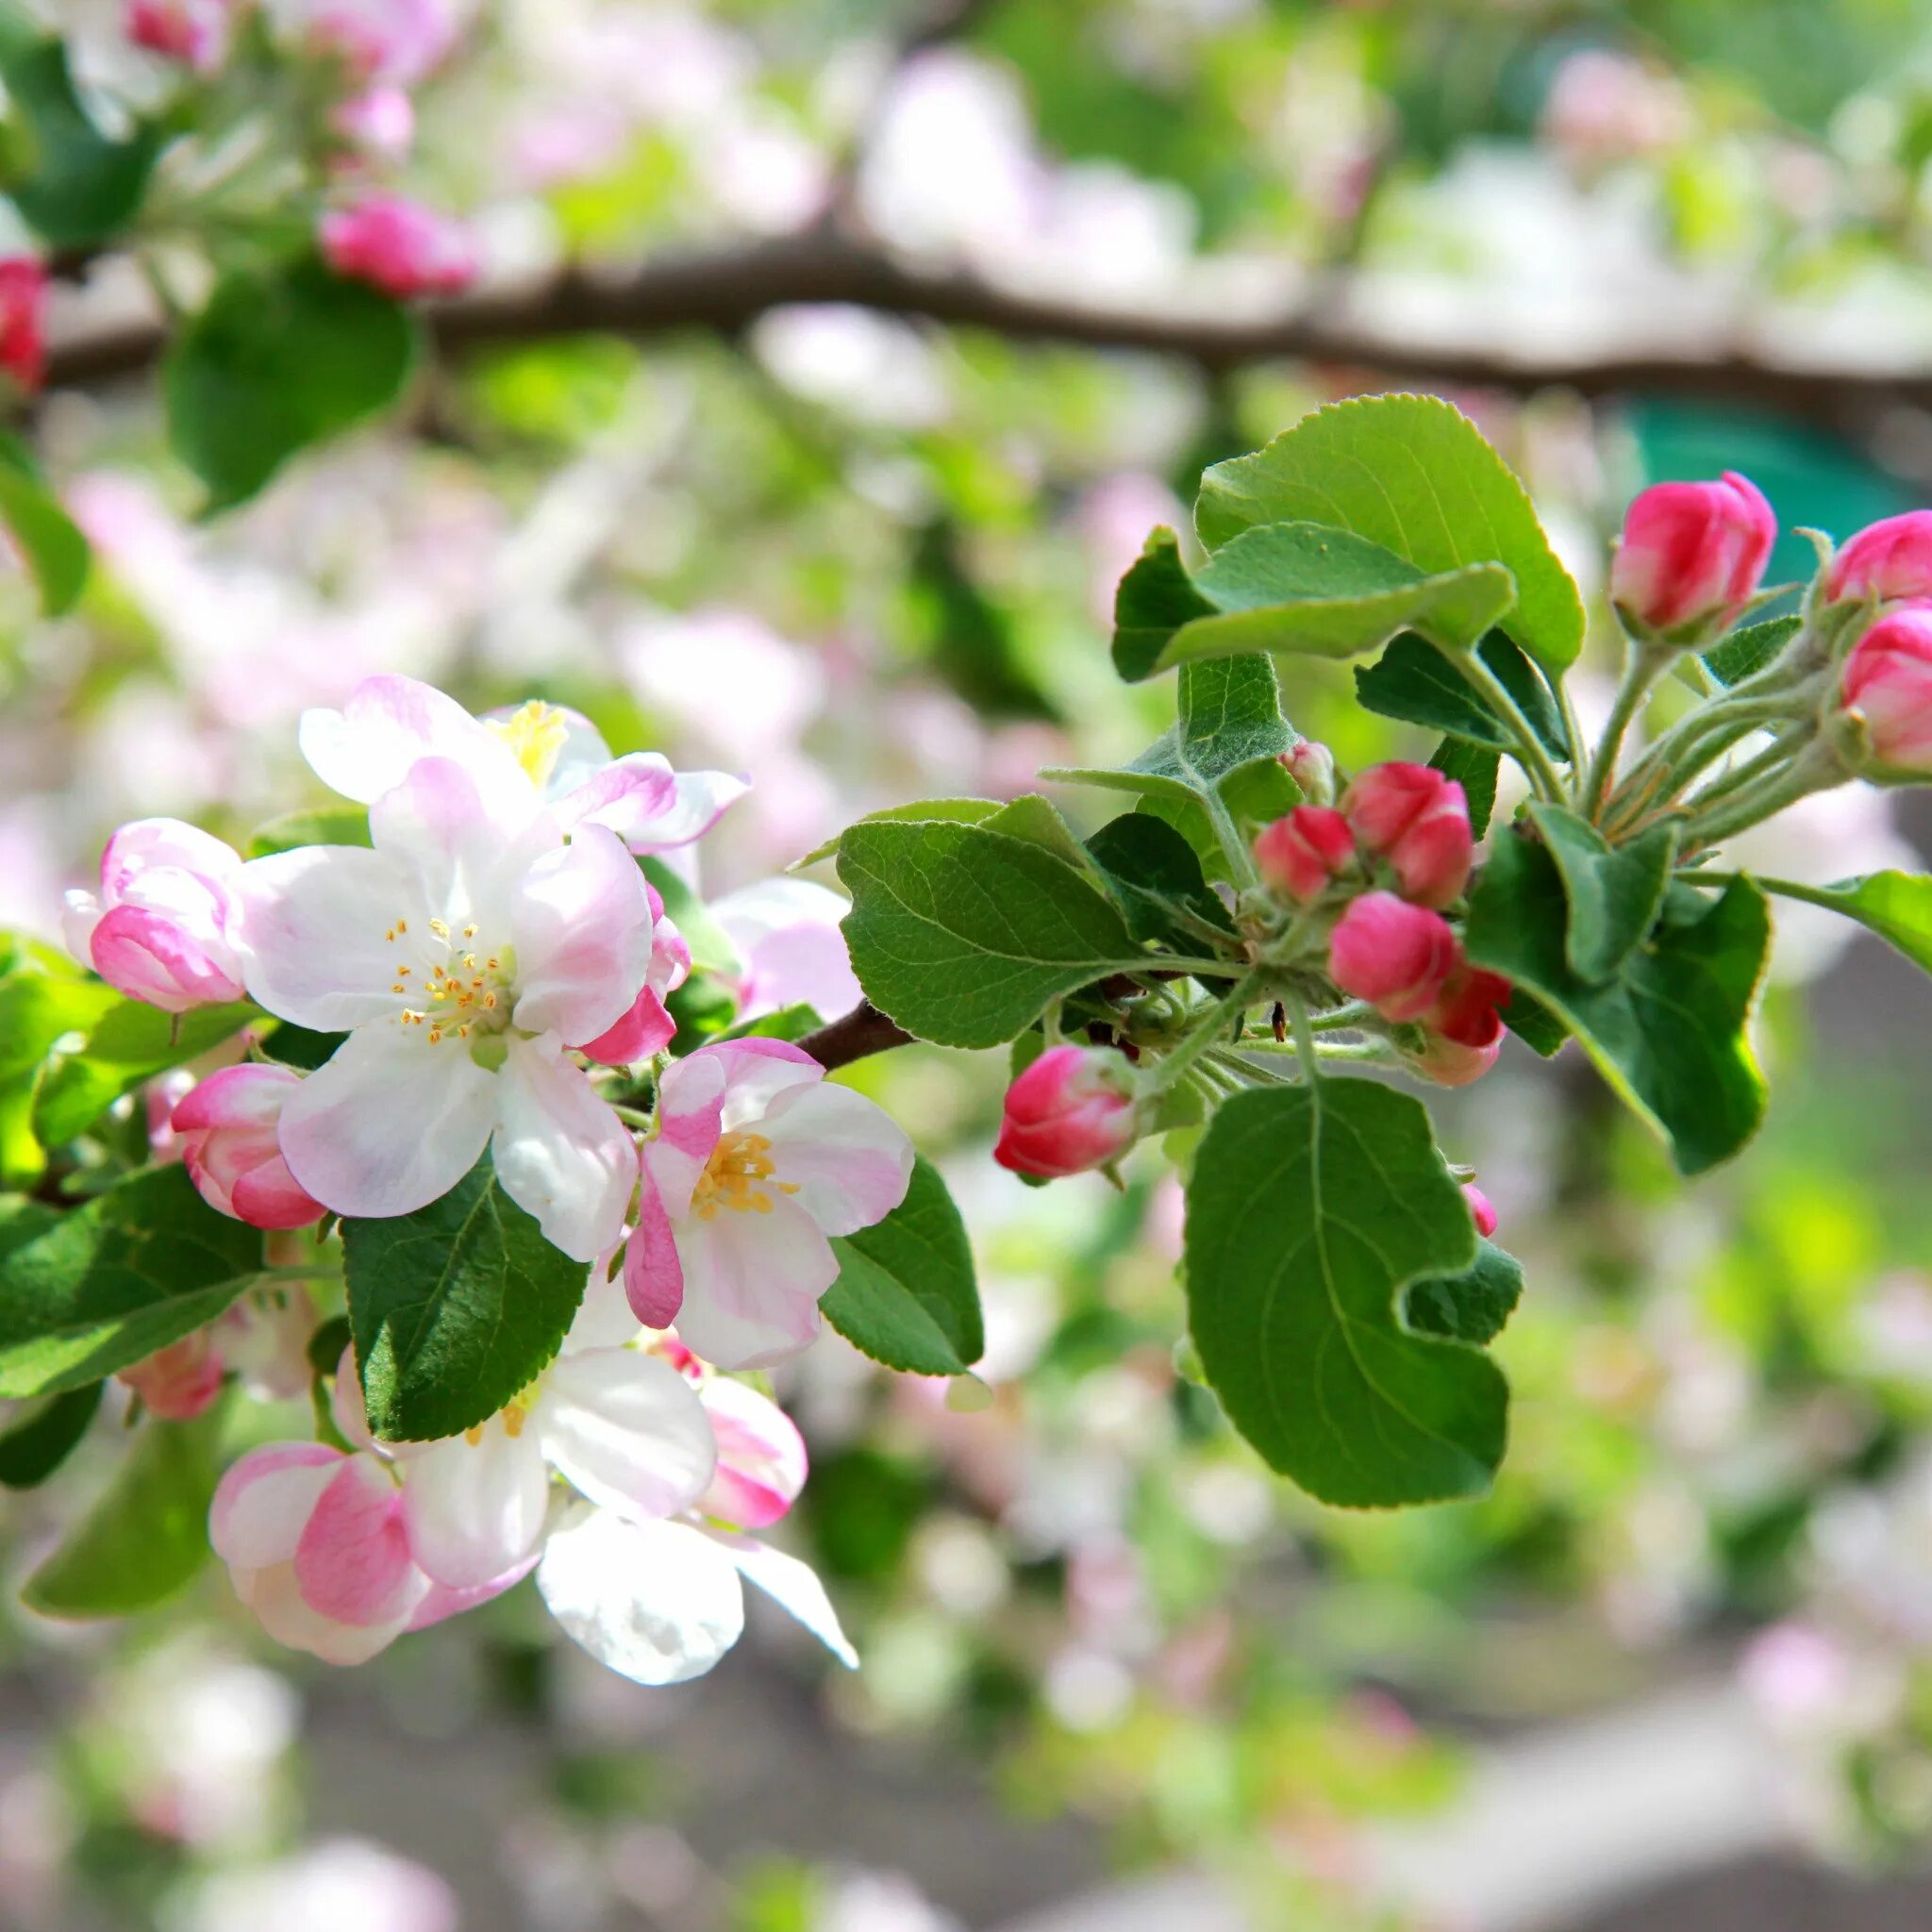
(862, 1032)
(728, 290)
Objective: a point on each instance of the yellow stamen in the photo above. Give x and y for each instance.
(740, 1175)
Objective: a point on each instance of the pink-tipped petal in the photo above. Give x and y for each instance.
(752, 1284)
(264, 1501)
(653, 1274)
(582, 928)
(627, 1431)
(849, 1159)
(352, 1560)
(646, 1029)
(475, 1509)
(367, 747)
(762, 1457)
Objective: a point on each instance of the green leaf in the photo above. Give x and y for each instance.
(1300, 589)
(1037, 820)
(68, 179)
(91, 1289)
(128, 1045)
(49, 539)
(1415, 475)
(290, 1045)
(1474, 768)
(1535, 1025)
(1747, 652)
(1897, 905)
(38, 1444)
(710, 950)
(329, 824)
(1614, 892)
(961, 935)
(966, 812)
(906, 1294)
(146, 1537)
(40, 1003)
(456, 1308)
(1311, 1210)
(1668, 1032)
(278, 359)
(1417, 684)
(1472, 1306)
(1155, 877)
(1156, 598)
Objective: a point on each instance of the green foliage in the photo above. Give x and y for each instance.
(962, 935)
(1415, 475)
(146, 1537)
(1306, 588)
(1668, 1031)
(43, 1000)
(906, 1294)
(1747, 652)
(1154, 877)
(710, 950)
(278, 359)
(94, 1289)
(965, 812)
(1417, 684)
(330, 825)
(49, 539)
(37, 1444)
(1614, 892)
(1474, 1307)
(1897, 905)
(1474, 768)
(454, 1309)
(1311, 1210)
(130, 1043)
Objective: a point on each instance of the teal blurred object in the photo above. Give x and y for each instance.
(1814, 480)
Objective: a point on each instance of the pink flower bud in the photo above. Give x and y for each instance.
(762, 1458)
(1300, 853)
(1396, 956)
(1312, 767)
(1449, 1063)
(1887, 685)
(1692, 553)
(399, 246)
(181, 1381)
(228, 1132)
(1470, 1011)
(23, 319)
(1481, 1210)
(1888, 559)
(1072, 1109)
(195, 32)
(1416, 820)
(165, 924)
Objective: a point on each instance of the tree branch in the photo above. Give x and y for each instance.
(726, 290)
(862, 1032)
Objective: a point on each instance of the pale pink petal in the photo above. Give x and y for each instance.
(795, 1588)
(756, 1072)
(352, 1562)
(315, 935)
(603, 1319)
(347, 1407)
(466, 847)
(560, 1152)
(367, 747)
(690, 1115)
(653, 1274)
(143, 844)
(442, 1601)
(627, 1430)
(847, 1156)
(274, 1595)
(762, 1457)
(390, 1123)
(581, 925)
(646, 1029)
(651, 808)
(789, 936)
(148, 957)
(264, 1501)
(475, 1509)
(660, 1603)
(752, 1284)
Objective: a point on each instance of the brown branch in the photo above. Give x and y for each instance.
(728, 290)
(862, 1032)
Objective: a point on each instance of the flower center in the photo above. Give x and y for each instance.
(536, 734)
(466, 993)
(739, 1176)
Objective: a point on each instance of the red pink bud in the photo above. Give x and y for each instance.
(1449, 1063)
(1416, 820)
(399, 246)
(1074, 1108)
(195, 32)
(226, 1128)
(1887, 685)
(1298, 854)
(1396, 956)
(1888, 559)
(1312, 767)
(1480, 1209)
(1470, 1008)
(178, 1382)
(1692, 553)
(23, 319)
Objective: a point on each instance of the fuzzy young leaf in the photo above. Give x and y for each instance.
(1415, 475)
(1669, 1031)
(1474, 768)
(906, 1294)
(454, 1309)
(146, 1537)
(1747, 652)
(1416, 684)
(90, 1291)
(1614, 892)
(711, 950)
(1472, 1306)
(1897, 905)
(1156, 598)
(129, 1043)
(961, 935)
(1311, 1210)
(1155, 877)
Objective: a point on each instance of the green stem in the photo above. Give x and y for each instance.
(1304, 1038)
(1641, 674)
(1529, 753)
(1203, 1035)
(1771, 694)
(1240, 860)
(1162, 962)
(1769, 759)
(1814, 770)
(1338, 1018)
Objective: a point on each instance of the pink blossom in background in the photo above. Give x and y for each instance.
(227, 1130)
(341, 1884)
(399, 41)
(179, 1382)
(1606, 106)
(195, 32)
(790, 945)
(380, 122)
(23, 319)
(1114, 518)
(401, 246)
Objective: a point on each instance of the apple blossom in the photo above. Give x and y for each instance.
(462, 953)
(1418, 821)
(398, 246)
(227, 1127)
(181, 1381)
(1300, 853)
(648, 1027)
(754, 1163)
(1692, 554)
(1449, 1063)
(195, 32)
(380, 122)
(1481, 1210)
(792, 951)
(1397, 957)
(23, 319)
(1469, 1007)
(1888, 559)
(536, 753)
(397, 41)
(1074, 1108)
(165, 927)
(762, 1457)
(1886, 687)
(1311, 766)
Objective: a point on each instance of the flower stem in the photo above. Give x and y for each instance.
(1203, 1035)
(1529, 753)
(1645, 666)
(1816, 768)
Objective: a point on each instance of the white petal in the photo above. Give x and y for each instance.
(794, 1587)
(560, 1152)
(275, 1598)
(390, 1123)
(752, 1284)
(627, 1430)
(756, 1072)
(389, 722)
(660, 1603)
(475, 1509)
(315, 927)
(850, 1160)
(581, 924)
(265, 1500)
(465, 847)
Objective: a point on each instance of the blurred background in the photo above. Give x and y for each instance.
(834, 357)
